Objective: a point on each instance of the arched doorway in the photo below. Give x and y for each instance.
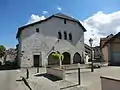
(66, 59)
(77, 58)
(51, 60)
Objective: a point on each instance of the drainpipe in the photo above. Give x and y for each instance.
(109, 54)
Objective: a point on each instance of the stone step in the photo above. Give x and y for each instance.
(66, 85)
(75, 66)
(42, 83)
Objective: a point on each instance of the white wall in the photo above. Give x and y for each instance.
(105, 53)
(110, 83)
(56, 72)
(46, 38)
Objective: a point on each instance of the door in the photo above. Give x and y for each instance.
(36, 60)
(66, 59)
(77, 58)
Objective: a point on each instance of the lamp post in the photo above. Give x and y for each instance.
(79, 79)
(91, 42)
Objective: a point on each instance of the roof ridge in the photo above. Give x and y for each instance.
(59, 15)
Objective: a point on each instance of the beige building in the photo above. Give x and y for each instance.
(110, 47)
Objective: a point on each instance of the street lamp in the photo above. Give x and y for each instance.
(91, 42)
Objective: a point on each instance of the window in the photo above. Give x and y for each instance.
(64, 21)
(37, 30)
(59, 35)
(70, 36)
(23, 51)
(65, 35)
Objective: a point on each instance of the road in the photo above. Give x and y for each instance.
(92, 80)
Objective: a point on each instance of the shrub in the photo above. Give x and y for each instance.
(57, 55)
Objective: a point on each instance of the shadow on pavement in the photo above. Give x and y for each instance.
(49, 76)
(19, 80)
(77, 72)
(25, 82)
(68, 86)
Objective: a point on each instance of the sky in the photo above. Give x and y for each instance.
(99, 17)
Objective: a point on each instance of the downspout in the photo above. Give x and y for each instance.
(102, 56)
(109, 54)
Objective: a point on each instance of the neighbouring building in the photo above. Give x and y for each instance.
(97, 54)
(59, 32)
(87, 53)
(110, 47)
(11, 54)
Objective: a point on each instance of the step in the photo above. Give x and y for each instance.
(66, 85)
(42, 83)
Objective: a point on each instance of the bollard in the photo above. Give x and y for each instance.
(27, 74)
(92, 67)
(37, 69)
(79, 76)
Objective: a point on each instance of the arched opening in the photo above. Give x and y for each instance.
(66, 59)
(51, 60)
(70, 36)
(65, 35)
(59, 35)
(77, 58)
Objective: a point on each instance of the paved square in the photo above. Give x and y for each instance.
(92, 80)
(89, 80)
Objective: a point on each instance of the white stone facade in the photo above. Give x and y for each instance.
(40, 43)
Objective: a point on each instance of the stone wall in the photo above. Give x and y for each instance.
(32, 42)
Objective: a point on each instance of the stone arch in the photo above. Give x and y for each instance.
(70, 36)
(65, 35)
(51, 60)
(66, 59)
(77, 58)
(59, 35)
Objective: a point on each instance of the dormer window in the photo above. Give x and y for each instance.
(37, 30)
(70, 36)
(65, 35)
(64, 21)
(59, 35)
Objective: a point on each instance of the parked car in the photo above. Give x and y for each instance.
(97, 65)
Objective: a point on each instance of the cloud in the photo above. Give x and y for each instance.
(101, 25)
(45, 12)
(98, 25)
(35, 18)
(59, 8)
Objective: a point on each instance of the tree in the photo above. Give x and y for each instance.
(12, 53)
(58, 56)
(2, 51)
